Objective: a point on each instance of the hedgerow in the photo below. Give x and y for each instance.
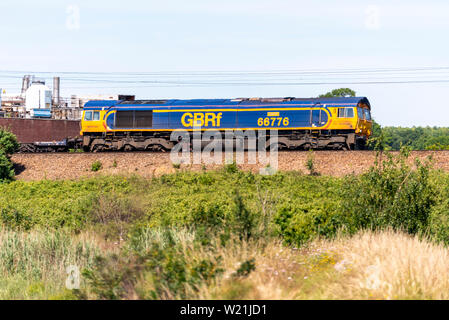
(294, 206)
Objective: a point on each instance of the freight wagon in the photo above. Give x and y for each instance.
(44, 135)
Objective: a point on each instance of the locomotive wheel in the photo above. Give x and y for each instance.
(97, 147)
(128, 148)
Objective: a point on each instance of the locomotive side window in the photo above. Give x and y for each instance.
(345, 112)
(349, 113)
(88, 115)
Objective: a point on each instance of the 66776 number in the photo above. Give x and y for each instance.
(273, 121)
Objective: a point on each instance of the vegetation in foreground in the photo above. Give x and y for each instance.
(228, 234)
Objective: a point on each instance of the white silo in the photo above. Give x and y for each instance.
(37, 96)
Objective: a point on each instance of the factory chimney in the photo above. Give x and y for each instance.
(56, 96)
(25, 83)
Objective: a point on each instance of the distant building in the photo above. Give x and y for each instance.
(38, 100)
(79, 101)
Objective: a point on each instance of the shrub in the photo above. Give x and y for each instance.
(6, 168)
(310, 164)
(391, 194)
(302, 222)
(231, 168)
(15, 219)
(96, 166)
(243, 221)
(245, 268)
(8, 142)
(439, 222)
(114, 214)
(168, 269)
(8, 145)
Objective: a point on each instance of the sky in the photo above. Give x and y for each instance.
(226, 49)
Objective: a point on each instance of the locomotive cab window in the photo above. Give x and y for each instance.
(92, 115)
(360, 113)
(367, 114)
(88, 115)
(345, 112)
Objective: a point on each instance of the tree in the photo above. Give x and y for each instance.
(342, 92)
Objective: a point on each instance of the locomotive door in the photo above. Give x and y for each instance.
(315, 118)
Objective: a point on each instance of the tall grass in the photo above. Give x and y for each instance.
(33, 264)
(382, 265)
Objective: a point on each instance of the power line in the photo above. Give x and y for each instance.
(239, 72)
(361, 76)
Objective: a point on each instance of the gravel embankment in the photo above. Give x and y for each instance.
(73, 166)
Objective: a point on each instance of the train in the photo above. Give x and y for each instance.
(126, 125)
(342, 123)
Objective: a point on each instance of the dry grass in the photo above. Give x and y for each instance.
(385, 265)
(389, 265)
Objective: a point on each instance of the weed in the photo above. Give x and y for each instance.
(96, 166)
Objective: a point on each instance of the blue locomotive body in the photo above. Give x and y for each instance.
(298, 117)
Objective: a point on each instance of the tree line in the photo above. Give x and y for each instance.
(393, 138)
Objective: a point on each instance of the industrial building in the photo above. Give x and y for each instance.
(37, 100)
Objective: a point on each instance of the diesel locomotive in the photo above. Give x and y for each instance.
(315, 123)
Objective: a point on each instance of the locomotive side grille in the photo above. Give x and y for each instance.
(125, 119)
(144, 119)
(134, 119)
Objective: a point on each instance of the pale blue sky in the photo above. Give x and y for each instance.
(231, 35)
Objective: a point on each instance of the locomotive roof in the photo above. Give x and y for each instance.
(347, 101)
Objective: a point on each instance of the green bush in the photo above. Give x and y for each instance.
(96, 166)
(15, 219)
(6, 168)
(167, 267)
(310, 164)
(391, 194)
(8, 145)
(8, 142)
(60, 204)
(114, 214)
(298, 223)
(439, 222)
